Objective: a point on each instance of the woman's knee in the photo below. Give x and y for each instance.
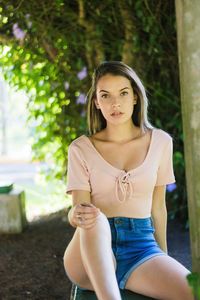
(183, 290)
(100, 224)
(100, 228)
(102, 218)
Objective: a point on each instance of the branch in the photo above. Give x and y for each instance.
(94, 47)
(18, 6)
(129, 28)
(52, 52)
(82, 21)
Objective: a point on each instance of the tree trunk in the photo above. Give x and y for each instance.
(188, 29)
(93, 44)
(130, 56)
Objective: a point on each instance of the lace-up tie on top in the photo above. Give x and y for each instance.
(123, 185)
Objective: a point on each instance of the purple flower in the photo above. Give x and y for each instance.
(18, 32)
(66, 85)
(171, 187)
(81, 99)
(82, 74)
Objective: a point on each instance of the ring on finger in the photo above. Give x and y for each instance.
(80, 220)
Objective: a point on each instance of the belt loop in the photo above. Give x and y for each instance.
(132, 223)
(111, 221)
(152, 224)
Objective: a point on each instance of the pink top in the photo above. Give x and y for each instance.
(117, 192)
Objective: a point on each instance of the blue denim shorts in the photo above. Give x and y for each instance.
(133, 243)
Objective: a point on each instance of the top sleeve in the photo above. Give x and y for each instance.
(77, 172)
(165, 173)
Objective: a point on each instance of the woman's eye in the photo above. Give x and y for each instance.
(124, 93)
(104, 96)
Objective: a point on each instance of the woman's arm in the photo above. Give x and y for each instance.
(159, 216)
(78, 197)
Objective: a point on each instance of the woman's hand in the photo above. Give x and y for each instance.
(84, 215)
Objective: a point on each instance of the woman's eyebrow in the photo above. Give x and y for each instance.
(124, 88)
(103, 91)
(119, 90)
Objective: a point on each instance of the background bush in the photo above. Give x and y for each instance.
(50, 48)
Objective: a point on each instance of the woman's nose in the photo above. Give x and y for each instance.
(115, 102)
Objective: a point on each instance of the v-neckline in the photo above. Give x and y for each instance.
(122, 170)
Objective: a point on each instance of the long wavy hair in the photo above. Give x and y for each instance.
(95, 119)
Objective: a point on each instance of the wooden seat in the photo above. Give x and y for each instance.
(77, 294)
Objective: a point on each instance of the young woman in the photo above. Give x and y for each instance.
(117, 177)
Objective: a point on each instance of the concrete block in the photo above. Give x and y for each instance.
(12, 212)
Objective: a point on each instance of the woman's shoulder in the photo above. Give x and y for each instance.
(163, 135)
(77, 142)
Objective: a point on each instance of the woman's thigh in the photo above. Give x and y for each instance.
(74, 265)
(161, 277)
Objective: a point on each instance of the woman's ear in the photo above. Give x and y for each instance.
(135, 97)
(96, 103)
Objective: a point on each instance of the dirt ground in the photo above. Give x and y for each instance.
(31, 264)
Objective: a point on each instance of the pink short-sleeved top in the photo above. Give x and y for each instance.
(117, 192)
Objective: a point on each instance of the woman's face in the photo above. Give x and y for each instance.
(115, 98)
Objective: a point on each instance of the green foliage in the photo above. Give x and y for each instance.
(61, 38)
(194, 282)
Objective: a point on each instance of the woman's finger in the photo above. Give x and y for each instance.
(83, 221)
(87, 215)
(87, 211)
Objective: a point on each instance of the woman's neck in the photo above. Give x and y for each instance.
(122, 133)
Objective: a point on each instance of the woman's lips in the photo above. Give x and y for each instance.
(116, 114)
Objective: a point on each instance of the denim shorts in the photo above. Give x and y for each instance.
(133, 243)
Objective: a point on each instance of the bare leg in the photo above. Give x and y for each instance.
(77, 260)
(97, 257)
(161, 277)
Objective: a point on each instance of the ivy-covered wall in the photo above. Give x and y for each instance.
(50, 48)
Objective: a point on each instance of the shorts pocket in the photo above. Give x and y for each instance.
(145, 230)
(145, 227)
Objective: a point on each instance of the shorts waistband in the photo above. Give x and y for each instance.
(132, 222)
